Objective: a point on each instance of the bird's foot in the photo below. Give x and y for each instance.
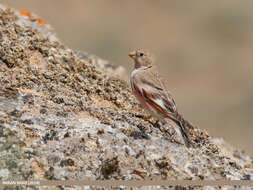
(158, 125)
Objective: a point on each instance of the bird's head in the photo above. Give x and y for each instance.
(142, 58)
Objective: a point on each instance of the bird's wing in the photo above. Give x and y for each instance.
(154, 91)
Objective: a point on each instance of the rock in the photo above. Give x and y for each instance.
(69, 115)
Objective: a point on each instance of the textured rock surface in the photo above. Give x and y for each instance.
(67, 115)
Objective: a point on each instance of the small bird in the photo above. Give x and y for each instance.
(150, 91)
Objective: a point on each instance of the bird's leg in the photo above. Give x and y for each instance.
(158, 125)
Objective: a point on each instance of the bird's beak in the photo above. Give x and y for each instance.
(132, 54)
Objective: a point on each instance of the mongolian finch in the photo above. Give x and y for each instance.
(149, 89)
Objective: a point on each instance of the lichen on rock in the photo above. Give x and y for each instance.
(67, 115)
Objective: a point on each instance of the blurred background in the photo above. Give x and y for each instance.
(203, 49)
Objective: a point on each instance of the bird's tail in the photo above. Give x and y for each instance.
(184, 127)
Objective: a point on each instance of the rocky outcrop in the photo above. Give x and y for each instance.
(68, 115)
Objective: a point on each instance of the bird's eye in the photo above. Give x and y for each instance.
(141, 54)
